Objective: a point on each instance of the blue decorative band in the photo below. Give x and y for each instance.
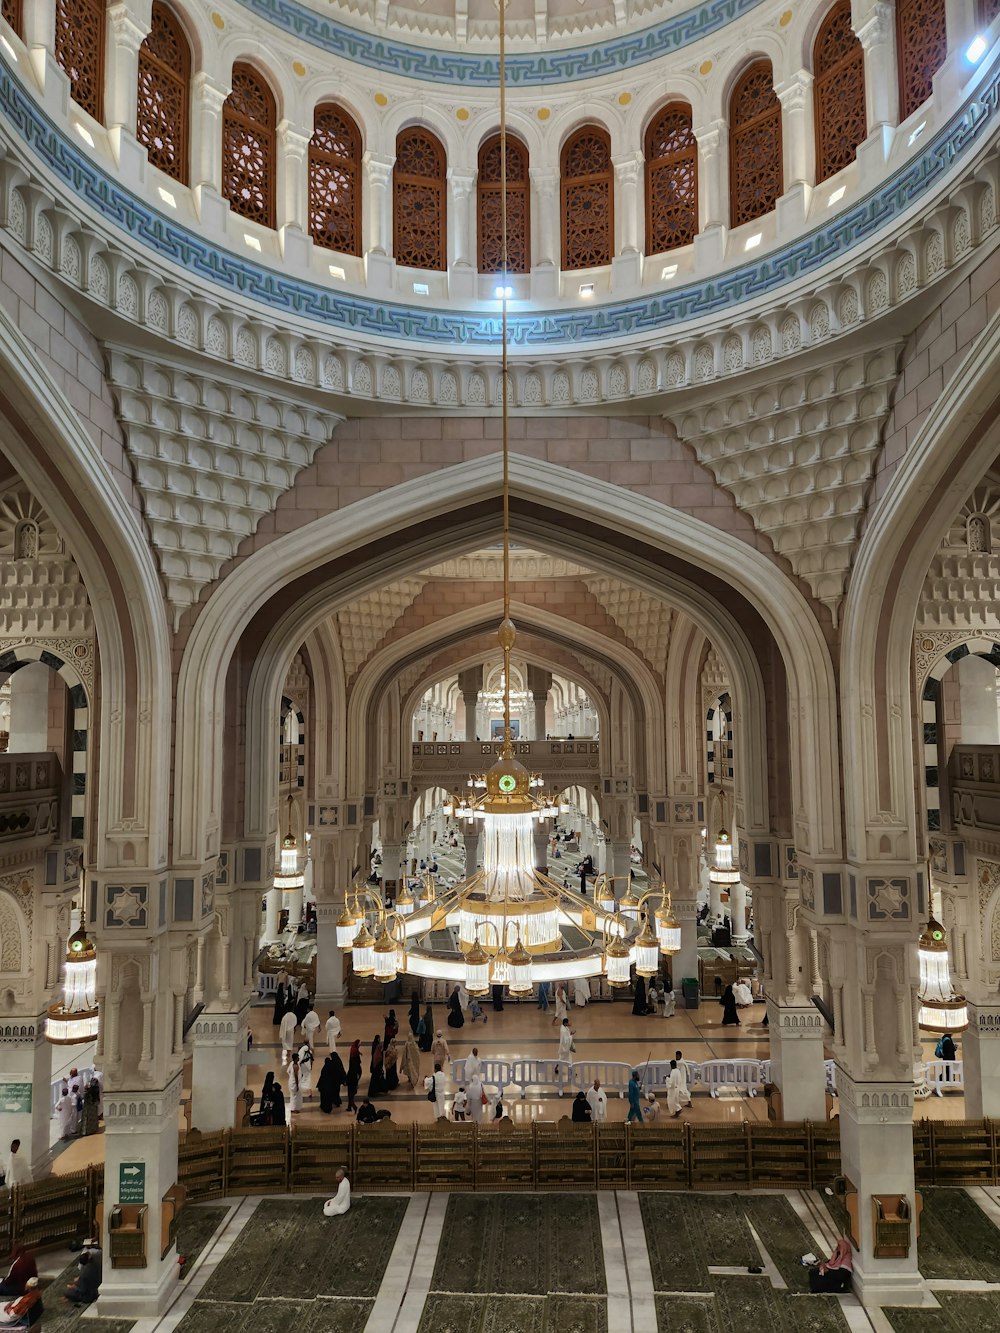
(544, 329)
(476, 71)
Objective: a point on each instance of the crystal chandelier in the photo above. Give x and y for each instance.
(941, 1009)
(74, 1019)
(291, 867)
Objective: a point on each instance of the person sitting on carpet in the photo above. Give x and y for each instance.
(25, 1310)
(835, 1274)
(341, 1201)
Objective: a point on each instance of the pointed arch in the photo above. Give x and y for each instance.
(671, 152)
(489, 193)
(419, 205)
(587, 199)
(163, 97)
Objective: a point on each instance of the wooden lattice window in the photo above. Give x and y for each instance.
(988, 11)
(13, 13)
(334, 181)
(79, 49)
(248, 147)
(921, 46)
(839, 92)
(671, 180)
(587, 199)
(755, 173)
(490, 195)
(419, 207)
(163, 106)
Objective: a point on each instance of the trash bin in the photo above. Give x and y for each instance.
(689, 989)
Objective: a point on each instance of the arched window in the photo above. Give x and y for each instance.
(334, 185)
(248, 119)
(839, 92)
(489, 200)
(164, 95)
(755, 176)
(13, 13)
(491, 253)
(419, 210)
(587, 199)
(921, 46)
(79, 47)
(671, 180)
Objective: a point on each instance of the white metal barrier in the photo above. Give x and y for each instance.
(945, 1076)
(742, 1074)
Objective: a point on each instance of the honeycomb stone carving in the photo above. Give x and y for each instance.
(645, 621)
(364, 623)
(211, 459)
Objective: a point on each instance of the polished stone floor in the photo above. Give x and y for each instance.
(552, 1263)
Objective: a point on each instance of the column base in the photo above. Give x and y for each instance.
(890, 1288)
(134, 1299)
(795, 1033)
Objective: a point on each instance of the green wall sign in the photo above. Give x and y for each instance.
(15, 1096)
(132, 1182)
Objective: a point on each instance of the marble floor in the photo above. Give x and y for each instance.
(545, 1262)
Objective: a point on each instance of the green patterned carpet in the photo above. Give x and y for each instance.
(319, 1316)
(957, 1239)
(960, 1312)
(528, 1244)
(451, 1313)
(196, 1226)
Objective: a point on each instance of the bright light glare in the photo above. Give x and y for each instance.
(252, 241)
(586, 289)
(337, 272)
(976, 49)
(668, 272)
(166, 196)
(836, 196)
(916, 134)
(503, 293)
(84, 134)
(753, 241)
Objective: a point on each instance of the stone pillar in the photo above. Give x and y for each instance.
(129, 23)
(980, 1055)
(874, 23)
(471, 841)
(292, 899)
(392, 862)
(461, 266)
(798, 140)
(272, 915)
(329, 959)
(546, 247)
(540, 838)
(713, 194)
(292, 218)
(219, 1048)
(207, 100)
(140, 1147)
(621, 862)
(26, 1058)
(795, 1035)
(378, 174)
(738, 912)
(626, 265)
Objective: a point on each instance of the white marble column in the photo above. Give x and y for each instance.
(26, 1058)
(272, 915)
(128, 25)
(471, 841)
(798, 148)
(980, 1055)
(795, 1037)
(219, 1048)
(392, 861)
(713, 195)
(471, 701)
(329, 959)
(874, 24)
(377, 220)
(461, 246)
(292, 899)
(546, 250)
(738, 912)
(292, 218)
(626, 266)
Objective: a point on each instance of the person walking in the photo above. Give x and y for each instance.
(434, 1086)
(310, 1026)
(543, 996)
(17, 1169)
(332, 1078)
(439, 1050)
(478, 1101)
(460, 1105)
(409, 1064)
(473, 1065)
(677, 1094)
(597, 1099)
(562, 1005)
(353, 1074)
(425, 1030)
(391, 1062)
(332, 1032)
(634, 1104)
(456, 1018)
(683, 1092)
(306, 1070)
(286, 1033)
(294, 1085)
(729, 1015)
(566, 1049)
(414, 1012)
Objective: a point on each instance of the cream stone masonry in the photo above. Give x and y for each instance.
(211, 459)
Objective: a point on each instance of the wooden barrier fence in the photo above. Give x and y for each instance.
(392, 1158)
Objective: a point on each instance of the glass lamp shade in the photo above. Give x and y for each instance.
(629, 904)
(74, 1019)
(384, 965)
(289, 855)
(668, 931)
(605, 893)
(347, 927)
(363, 953)
(723, 872)
(520, 970)
(477, 970)
(941, 1009)
(647, 952)
(616, 964)
(404, 901)
(500, 969)
(427, 894)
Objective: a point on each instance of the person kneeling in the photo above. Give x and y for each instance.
(835, 1274)
(88, 1281)
(341, 1201)
(23, 1311)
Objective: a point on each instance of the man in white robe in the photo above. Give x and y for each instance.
(286, 1032)
(17, 1168)
(332, 1032)
(677, 1094)
(742, 994)
(341, 1201)
(305, 1069)
(668, 1001)
(67, 1112)
(473, 1065)
(581, 992)
(682, 1069)
(435, 1087)
(310, 1026)
(565, 1054)
(294, 1085)
(477, 1110)
(597, 1100)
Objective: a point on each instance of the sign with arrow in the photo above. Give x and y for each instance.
(132, 1182)
(15, 1095)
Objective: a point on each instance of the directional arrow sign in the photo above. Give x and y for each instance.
(132, 1182)
(15, 1095)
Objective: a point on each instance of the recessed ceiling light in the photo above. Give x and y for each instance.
(503, 293)
(752, 242)
(337, 272)
(976, 49)
(669, 270)
(837, 195)
(166, 196)
(252, 241)
(586, 289)
(421, 289)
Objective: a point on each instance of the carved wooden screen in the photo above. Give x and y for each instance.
(13, 13)
(334, 181)
(248, 148)
(518, 215)
(839, 92)
(921, 46)
(988, 10)
(587, 199)
(419, 208)
(671, 180)
(163, 106)
(755, 173)
(79, 49)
